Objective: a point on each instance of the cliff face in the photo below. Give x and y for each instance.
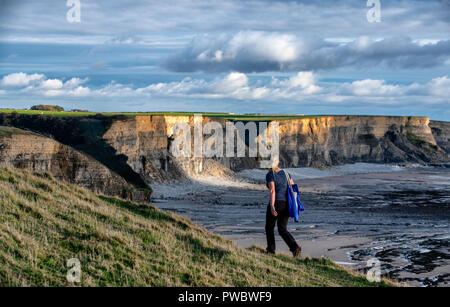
(325, 141)
(40, 154)
(441, 132)
(138, 149)
(146, 142)
(317, 142)
(83, 134)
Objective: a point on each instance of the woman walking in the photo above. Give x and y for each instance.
(278, 210)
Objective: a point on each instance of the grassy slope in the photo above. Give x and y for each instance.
(43, 223)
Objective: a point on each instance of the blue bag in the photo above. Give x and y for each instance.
(293, 198)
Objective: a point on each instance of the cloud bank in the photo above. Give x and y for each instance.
(40, 85)
(327, 18)
(251, 51)
(300, 87)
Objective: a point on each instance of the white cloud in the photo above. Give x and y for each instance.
(79, 91)
(38, 84)
(275, 47)
(20, 79)
(369, 87)
(52, 84)
(304, 80)
(74, 82)
(440, 87)
(437, 87)
(70, 88)
(232, 82)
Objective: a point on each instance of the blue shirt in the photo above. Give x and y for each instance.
(281, 183)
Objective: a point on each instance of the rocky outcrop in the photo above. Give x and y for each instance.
(40, 154)
(441, 133)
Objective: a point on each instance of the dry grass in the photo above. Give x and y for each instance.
(43, 223)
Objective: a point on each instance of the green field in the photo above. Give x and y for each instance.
(45, 222)
(260, 117)
(229, 116)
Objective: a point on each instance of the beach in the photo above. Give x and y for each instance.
(398, 214)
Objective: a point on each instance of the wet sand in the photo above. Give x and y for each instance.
(402, 218)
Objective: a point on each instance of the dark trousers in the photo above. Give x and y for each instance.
(281, 219)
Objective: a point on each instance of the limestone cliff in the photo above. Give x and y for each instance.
(40, 154)
(330, 140)
(316, 141)
(441, 132)
(146, 141)
(138, 148)
(83, 134)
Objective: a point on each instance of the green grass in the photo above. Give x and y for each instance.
(44, 222)
(240, 117)
(9, 131)
(419, 142)
(81, 114)
(233, 117)
(131, 114)
(416, 140)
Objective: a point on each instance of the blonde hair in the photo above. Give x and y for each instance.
(275, 161)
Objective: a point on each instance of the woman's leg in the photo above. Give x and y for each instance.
(270, 226)
(283, 218)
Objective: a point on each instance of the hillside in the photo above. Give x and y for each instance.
(44, 222)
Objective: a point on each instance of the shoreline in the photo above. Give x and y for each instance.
(399, 217)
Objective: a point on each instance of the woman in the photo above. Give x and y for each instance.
(278, 210)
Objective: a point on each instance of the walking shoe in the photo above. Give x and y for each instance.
(270, 252)
(297, 253)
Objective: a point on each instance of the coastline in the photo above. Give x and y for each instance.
(349, 218)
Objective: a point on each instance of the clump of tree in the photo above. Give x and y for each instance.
(44, 107)
(79, 110)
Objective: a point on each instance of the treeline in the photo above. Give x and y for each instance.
(53, 108)
(45, 107)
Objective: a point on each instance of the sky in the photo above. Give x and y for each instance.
(240, 56)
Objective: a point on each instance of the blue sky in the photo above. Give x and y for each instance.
(246, 56)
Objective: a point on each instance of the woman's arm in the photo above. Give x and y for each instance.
(272, 198)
